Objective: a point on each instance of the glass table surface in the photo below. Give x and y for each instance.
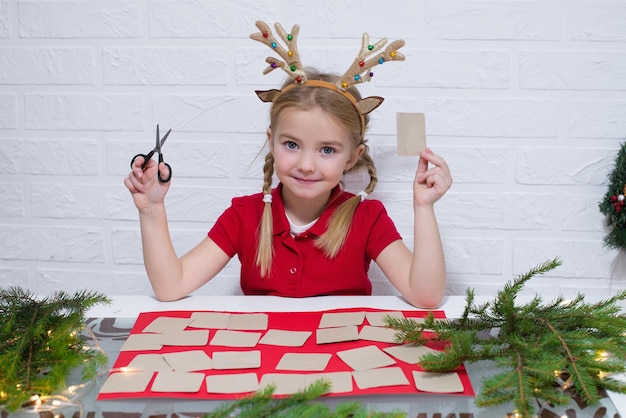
(111, 333)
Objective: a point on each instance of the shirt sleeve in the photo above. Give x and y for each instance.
(382, 232)
(226, 232)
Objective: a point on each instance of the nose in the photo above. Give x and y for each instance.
(306, 162)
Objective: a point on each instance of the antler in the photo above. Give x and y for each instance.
(291, 64)
(359, 70)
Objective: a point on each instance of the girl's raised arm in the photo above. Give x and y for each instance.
(421, 276)
(171, 278)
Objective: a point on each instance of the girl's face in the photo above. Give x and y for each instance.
(311, 152)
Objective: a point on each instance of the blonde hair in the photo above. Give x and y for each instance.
(305, 97)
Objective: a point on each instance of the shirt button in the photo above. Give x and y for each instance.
(293, 270)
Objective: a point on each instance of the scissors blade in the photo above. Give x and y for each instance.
(164, 138)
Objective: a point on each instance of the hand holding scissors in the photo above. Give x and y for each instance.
(148, 156)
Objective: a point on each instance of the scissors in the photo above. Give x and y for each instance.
(148, 156)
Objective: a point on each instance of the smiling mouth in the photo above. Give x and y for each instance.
(305, 181)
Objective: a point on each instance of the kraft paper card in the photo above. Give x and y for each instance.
(224, 360)
(340, 382)
(314, 362)
(411, 133)
(178, 382)
(409, 353)
(127, 382)
(384, 335)
(142, 342)
(285, 384)
(248, 322)
(186, 338)
(341, 319)
(377, 319)
(148, 363)
(376, 378)
(364, 358)
(165, 324)
(232, 383)
(438, 382)
(335, 335)
(230, 338)
(288, 384)
(214, 320)
(285, 338)
(188, 361)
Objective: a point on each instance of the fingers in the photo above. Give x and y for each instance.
(138, 179)
(439, 169)
(432, 180)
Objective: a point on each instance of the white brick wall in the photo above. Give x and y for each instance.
(525, 99)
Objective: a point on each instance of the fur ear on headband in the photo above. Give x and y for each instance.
(368, 104)
(267, 96)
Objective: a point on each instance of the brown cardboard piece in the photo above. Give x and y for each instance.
(411, 133)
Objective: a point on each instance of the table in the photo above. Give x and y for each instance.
(112, 323)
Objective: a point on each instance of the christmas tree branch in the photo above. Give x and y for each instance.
(545, 351)
(40, 343)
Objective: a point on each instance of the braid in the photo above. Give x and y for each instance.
(368, 162)
(265, 250)
(333, 239)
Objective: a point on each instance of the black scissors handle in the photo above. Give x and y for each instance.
(169, 170)
(148, 156)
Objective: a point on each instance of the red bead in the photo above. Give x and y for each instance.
(298, 79)
(265, 34)
(361, 63)
(614, 198)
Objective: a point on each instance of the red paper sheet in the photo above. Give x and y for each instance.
(270, 355)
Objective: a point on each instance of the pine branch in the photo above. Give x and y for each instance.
(300, 405)
(546, 352)
(40, 343)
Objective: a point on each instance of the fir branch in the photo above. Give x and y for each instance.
(548, 352)
(300, 405)
(40, 343)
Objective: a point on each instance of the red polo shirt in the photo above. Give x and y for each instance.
(299, 269)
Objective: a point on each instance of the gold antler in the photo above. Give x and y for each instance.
(291, 64)
(359, 71)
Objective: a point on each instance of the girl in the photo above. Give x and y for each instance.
(305, 237)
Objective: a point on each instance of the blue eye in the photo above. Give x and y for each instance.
(291, 145)
(327, 150)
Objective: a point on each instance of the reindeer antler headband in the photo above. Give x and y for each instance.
(369, 56)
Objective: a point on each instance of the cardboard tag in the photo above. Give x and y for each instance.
(411, 133)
